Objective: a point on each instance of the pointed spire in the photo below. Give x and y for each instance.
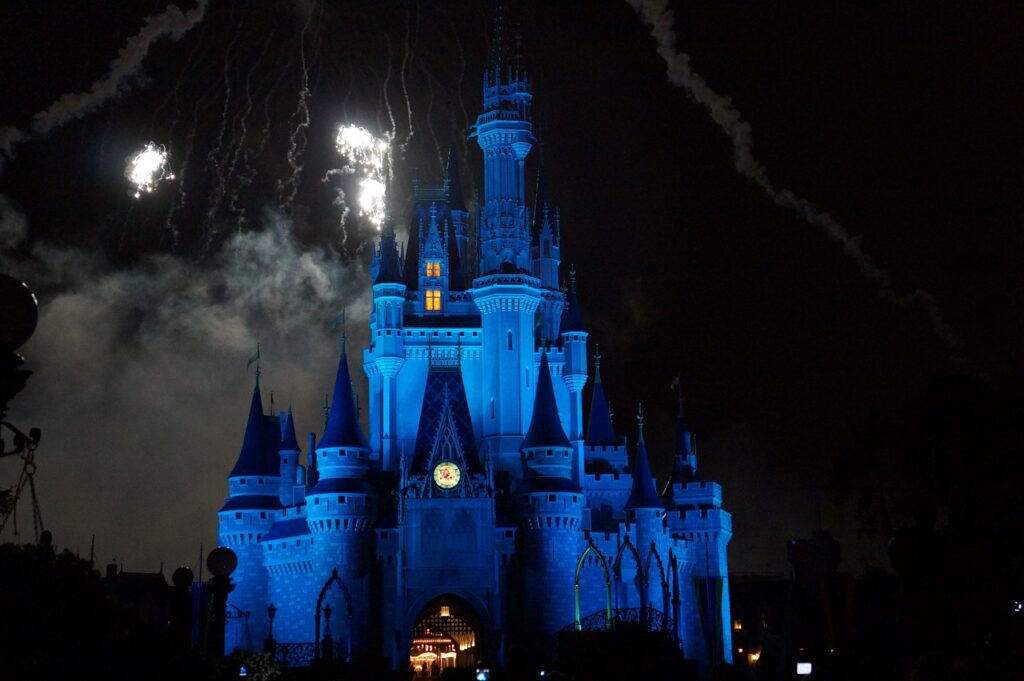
(599, 425)
(288, 440)
(572, 320)
(343, 429)
(541, 205)
(684, 464)
(642, 494)
(453, 181)
(258, 450)
(390, 271)
(545, 426)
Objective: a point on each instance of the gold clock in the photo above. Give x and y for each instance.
(447, 475)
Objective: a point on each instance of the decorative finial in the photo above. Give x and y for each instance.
(327, 411)
(340, 321)
(271, 402)
(255, 358)
(677, 388)
(597, 356)
(572, 278)
(640, 421)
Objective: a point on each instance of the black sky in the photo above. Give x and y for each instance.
(901, 121)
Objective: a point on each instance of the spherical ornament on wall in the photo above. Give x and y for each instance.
(222, 561)
(182, 577)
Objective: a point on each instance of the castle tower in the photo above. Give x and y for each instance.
(644, 507)
(574, 373)
(545, 256)
(504, 132)
(289, 460)
(387, 347)
(254, 488)
(342, 507)
(696, 513)
(506, 293)
(549, 508)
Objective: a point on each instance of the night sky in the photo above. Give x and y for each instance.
(901, 122)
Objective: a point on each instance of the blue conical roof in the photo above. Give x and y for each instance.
(259, 448)
(643, 494)
(599, 425)
(288, 439)
(343, 428)
(545, 426)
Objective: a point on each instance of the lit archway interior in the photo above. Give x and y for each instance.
(446, 634)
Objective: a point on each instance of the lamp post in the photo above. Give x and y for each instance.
(270, 645)
(221, 562)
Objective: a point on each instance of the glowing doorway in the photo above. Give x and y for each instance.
(446, 634)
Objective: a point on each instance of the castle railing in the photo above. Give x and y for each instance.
(647, 619)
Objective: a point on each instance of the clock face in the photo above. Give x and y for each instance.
(447, 475)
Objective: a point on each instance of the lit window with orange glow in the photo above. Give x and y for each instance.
(737, 625)
(433, 269)
(433, 300)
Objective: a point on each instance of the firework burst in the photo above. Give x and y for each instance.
(147, 169)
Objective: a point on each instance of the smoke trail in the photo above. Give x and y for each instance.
(656, 14)
(217, 165)
(297, 146)
(172, 23)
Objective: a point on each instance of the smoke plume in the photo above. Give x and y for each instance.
(172, 23)
(656, 14)
(162, 345)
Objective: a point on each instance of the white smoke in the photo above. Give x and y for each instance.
(656, 14)
(13, 225)
(172, 23)
(140, 385)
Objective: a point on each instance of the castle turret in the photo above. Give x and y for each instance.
(253, 503)
(643, 507)
(386, 355)
(545, 259)
(341, 508)
(289, 458)
(549, 506)
(574, 373)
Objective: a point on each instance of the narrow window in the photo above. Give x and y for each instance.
(492, 408)
(510, 341)
(238, 515)
(433, 300)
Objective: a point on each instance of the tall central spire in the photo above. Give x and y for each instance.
(504, 132)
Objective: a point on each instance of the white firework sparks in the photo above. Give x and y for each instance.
(368, 157)
(147, 169)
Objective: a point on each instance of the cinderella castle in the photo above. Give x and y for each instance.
(486, 510)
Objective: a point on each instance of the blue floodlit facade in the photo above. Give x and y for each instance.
(482, 493)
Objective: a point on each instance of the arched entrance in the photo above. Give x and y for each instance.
(447, 633)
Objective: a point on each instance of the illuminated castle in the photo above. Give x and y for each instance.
(481, 515)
